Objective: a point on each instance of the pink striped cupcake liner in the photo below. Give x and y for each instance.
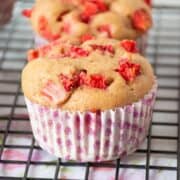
(92, 137)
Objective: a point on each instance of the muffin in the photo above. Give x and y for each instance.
(93, 102)
(118, 19)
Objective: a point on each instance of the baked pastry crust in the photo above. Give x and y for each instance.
(124, 19)
(120, 90)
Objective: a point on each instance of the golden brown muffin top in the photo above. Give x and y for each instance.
(98, 74)
(118, 19)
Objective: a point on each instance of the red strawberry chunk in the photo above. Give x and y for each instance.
(69, 83)
(91, 8)
(101, 5)
(54, 92)
(129, 71)
(33, 54)
(103, 48)
(43, 23)
(86, 37)
(75, 52)
(44, 50)
(105, 29)
(84, 78)
(141, 20)
(45, 31)
(148, 2)
(110, 49)
(27, 13)
(79, 52)
(81, 78)
(129, 45)
(66, 28)
(94, 80)
(97, 81)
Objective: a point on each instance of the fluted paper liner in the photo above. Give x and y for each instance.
(92, 137)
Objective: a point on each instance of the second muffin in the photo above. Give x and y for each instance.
(92, 102)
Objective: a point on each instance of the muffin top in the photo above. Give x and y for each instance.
(97, 74)
(118, 19)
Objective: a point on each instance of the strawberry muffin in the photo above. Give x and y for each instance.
(118, 19)
(89, 101)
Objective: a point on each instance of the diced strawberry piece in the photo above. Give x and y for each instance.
(148, 2)
(91, 8)
(86, 37)
(129, 71)
(129, 45)
(43, 23)
(94, 80)
(44, 50)
(27, 13)
(69, 83)
(33, 54)
(103, 48)
(75, 52)
(141, 20)
(54, 92)
(101, 5)
(66, 28)
(97, 81)
(78, 52)
(110, 49)
(83, 78)
(45, 31)
(105, 29)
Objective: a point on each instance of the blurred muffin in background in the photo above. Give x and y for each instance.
(117, 19)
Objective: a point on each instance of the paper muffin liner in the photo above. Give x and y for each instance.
(92, 137)
(141, 43)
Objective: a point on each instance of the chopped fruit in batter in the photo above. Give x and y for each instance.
(86, 37)
(129, 45)
(54, 92)
(128, 70)
(148, 2)
(75, 52)
(105, 29)
(97, 81)
(94, 80)
(91, 8)
(45, 31)
(141, 20)
(103, 48)
(66, 28)
(69, 83)
(82, 78)
(27, 13)
(33, 54)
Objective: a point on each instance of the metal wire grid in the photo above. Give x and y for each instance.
(163, 50)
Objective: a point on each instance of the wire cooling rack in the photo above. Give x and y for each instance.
(163, 141)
